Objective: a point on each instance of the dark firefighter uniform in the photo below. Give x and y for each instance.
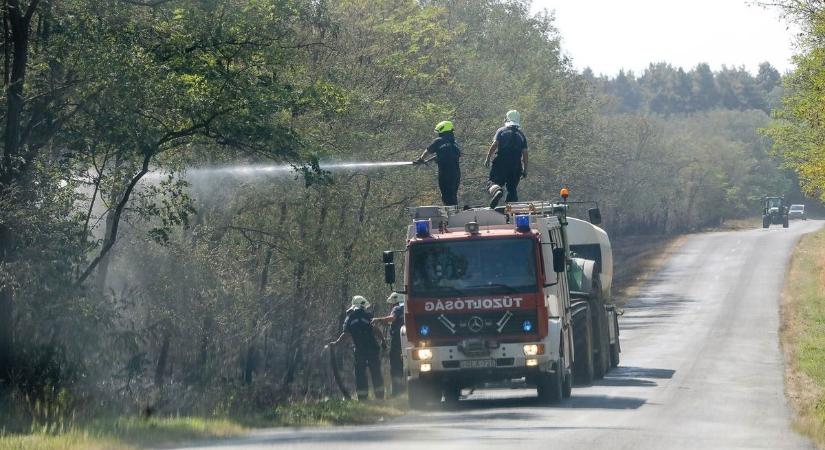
(506, 169)
(396, 363)
(449, 174)
(447, 152)
(367, 353)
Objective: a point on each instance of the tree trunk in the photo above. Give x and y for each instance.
(163, 358)
(103, 266)
(18, 33)
(6, 313)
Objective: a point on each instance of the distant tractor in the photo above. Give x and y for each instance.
(774, 212)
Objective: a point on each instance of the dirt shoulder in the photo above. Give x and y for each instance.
(636, 258)
(803, 335)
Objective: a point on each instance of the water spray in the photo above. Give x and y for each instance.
(251, 170)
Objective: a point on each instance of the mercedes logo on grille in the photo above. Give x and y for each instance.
(475, 324)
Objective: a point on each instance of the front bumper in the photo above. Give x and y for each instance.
(505, 362)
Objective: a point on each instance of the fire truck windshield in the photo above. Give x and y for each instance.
(470, 268)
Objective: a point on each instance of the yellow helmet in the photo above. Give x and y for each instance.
(444, 126)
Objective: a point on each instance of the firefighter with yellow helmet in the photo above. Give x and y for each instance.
(445, 150)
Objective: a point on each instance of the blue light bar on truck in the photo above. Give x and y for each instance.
(523, 222)
(424, 330)
(422, 227)
(527, 326)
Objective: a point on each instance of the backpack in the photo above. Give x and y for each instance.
(512, 143)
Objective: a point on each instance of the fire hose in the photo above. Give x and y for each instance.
(336, 373)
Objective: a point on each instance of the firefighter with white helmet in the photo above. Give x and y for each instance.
(510, 162)
(395, 320)
(365, 339)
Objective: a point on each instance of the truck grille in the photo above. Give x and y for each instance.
(489, 324)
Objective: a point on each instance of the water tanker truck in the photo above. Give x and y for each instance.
(521, 292)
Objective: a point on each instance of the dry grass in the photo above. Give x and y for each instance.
(803, 335)
(129, 433)
(741, 224)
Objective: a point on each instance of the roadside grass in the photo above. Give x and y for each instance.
(129, 433)
(747, 223)
(803, 335)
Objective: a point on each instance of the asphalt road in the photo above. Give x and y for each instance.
(701, 367)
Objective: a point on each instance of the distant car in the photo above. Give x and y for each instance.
(797, 212)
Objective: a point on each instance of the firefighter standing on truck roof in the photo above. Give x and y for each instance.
(396, 320)
(365, 338)
(447, 152)
(510, 163)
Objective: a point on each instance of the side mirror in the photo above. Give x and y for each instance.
(559, 260)
(595, 216)
(389, 273)
(388, 257)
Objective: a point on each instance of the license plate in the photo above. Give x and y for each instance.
(477, 364)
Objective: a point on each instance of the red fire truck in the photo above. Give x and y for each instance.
(496, 295)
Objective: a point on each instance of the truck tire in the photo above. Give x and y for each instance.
(766, 221)
(452, 392)
(601, 345)
(615, 349)
(567, 384)
(600, 334)
(583, 349)
(785, 222)
(421, 394)
(550, 385)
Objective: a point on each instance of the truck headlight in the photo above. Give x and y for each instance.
(426, 367)
(533, 349)
(424, 354)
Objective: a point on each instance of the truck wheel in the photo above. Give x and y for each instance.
(567, 385)
(452, 392)
(601, 355)
(600, 334)
(615, 348)
(583, 351)
(549, 385)
(785, 222)
(766, 221)
(421, 393)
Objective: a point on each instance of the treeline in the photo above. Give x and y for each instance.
(129, 281)
(664, 90)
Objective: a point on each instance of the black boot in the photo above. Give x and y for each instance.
(496, 197)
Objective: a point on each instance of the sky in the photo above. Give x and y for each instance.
(608, 35)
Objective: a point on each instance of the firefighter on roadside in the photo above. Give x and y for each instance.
(395, 320)
(510, 162)
(445, 150)
(365, 339)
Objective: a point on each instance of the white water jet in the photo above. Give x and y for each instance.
(252, 170)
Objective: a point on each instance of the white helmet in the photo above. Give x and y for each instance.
(358, 301)
(512, 118)
(396, 297)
